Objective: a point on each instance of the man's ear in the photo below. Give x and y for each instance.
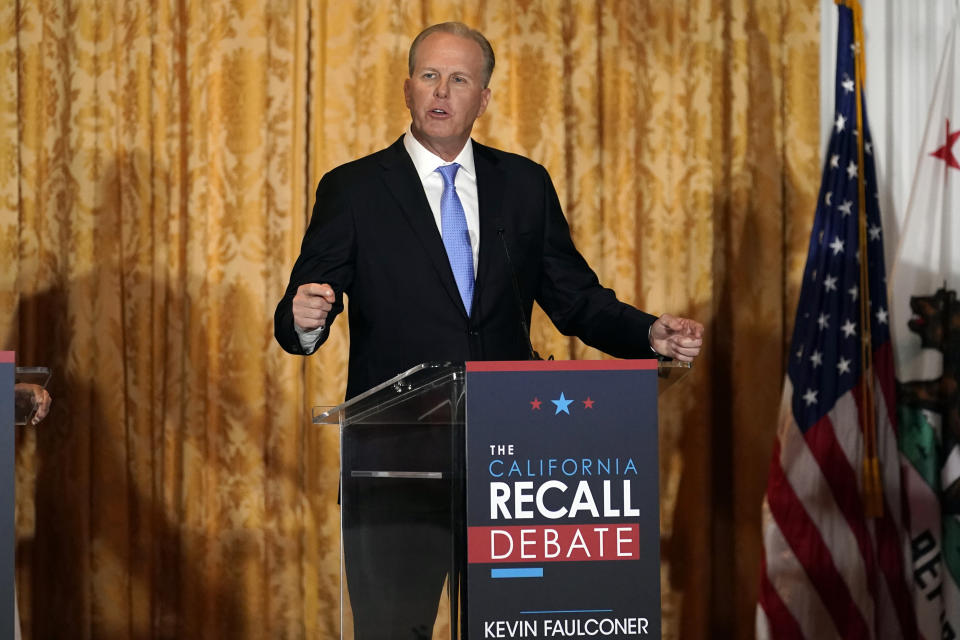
(484, 100)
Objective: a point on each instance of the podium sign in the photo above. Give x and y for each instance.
(562, 517)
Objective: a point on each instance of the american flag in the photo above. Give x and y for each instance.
(828, 569)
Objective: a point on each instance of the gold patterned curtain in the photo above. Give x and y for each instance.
(157, 167)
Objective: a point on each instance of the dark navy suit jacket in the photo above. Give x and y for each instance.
(373, 237)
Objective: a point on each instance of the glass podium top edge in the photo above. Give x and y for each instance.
(429, 373)
(32, 375)
(422, 374)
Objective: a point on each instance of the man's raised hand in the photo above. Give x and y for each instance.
(312, 304)
(677, 338)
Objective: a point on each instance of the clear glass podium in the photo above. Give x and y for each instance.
(402, 502)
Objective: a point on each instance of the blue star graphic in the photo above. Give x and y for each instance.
(562, 404)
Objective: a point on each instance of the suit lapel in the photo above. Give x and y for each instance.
(403, 182)
(490, 186)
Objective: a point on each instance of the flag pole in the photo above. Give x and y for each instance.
(872, 486)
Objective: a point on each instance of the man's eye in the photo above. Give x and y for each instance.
(459, 79)
(429, 75)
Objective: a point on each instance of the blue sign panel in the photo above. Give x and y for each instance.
(7, 534)
(562, 500)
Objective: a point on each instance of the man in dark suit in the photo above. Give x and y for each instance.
(442, 245)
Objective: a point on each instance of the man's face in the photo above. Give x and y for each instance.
(445, 94)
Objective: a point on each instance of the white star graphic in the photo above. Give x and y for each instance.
(837, 246)
(827, 197)
(882, 316)
(852, 169)
(874, 232)
(830, 283)
(843, 366)
(868, 147)
(823, 320)
(853, 291)
(835, 160)
(816, 359)
(800, 353)
(845, 207)
(847, 84)
(810, 397)
(840, 123)
(848, 328)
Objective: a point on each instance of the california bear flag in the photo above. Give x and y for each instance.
(925, 323)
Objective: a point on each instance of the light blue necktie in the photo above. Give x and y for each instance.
(456, 238)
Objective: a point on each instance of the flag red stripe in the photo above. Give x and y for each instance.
(890, 557)
(842, 480)
(812, 552)
(891, 528)
(883, 365)
(783, 626)
(888, 534)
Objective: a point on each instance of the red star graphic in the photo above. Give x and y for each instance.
(945, 152)
(535, 405)
(588, 403)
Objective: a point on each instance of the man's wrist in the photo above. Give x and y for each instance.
(309, 337)
(652, 348)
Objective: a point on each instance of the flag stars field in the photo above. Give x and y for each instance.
(849, 329)
(843, 365)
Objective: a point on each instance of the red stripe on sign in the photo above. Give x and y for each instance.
(554, 543)
(562, 365)
(8, 356)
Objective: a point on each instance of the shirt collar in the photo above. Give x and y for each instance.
(426, 162)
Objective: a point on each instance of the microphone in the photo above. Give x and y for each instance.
(518, 297)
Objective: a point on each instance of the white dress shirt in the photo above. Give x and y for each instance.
(426, 162)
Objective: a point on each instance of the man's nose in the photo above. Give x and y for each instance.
(441, 89)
